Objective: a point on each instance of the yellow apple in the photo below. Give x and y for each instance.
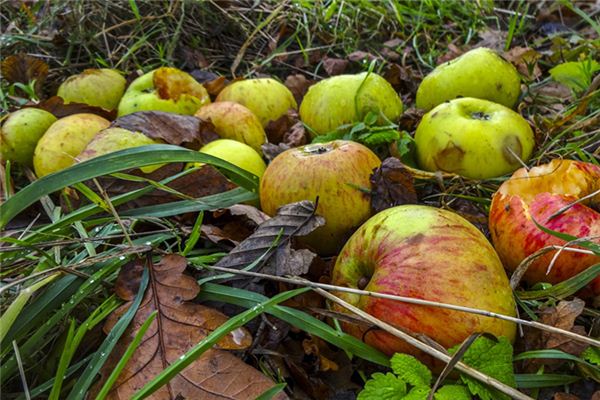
(96, 87)
(237, 153)
(20, 133)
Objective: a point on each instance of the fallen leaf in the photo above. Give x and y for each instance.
(451, 54)
(564, 396)
(276, 129)
(296, 135)
(392, 185)
(250, 212)
(393, 43)
(216, 235)
(215, 86)
(179, 325)
(596, 395)
(359, 55)
(492, 39)
(525, 59)
(313, 347)
(403, 79)
(270, 150)
(194, 58)
(334, 66)
(22, 68)
(180, 130)
(298, 85)
(56, 106)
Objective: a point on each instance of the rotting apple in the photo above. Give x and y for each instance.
(538, 194)
(64, 140)
(115, 139)
(346, 99)
(236, 122)
(20, 133)
(237, 153)
(265, 97)
(338, 173)
(481, 73)
(164, 89)
(97, 87)
(474, 138)
(423, 253)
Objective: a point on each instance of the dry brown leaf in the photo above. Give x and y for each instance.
(492, 39)
(298, 85)
(180, 130)
(179, 325)
(313, 347)
(564, 396)
(55, 105)
(335, 66)
(391, 185)
(451, 54)
(276, 129)
(596, 395)
(525, 59)
(359, 55)
(24, 69)
(403, 79)
(250, 212)
(296, 135)
(270, 150)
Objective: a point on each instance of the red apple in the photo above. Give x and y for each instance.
(537, 194)
(424, 253)
(335, 172)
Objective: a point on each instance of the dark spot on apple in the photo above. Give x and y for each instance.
(507, 208)
(512, 149)
(499, 86)
(449, 159)
(481, 116)
(363, 282)
(434, 114)
(413, 240)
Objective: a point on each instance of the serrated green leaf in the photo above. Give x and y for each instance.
(452, 392)
(592, 354)
(576, 75)
(383, 387)
(328, 137)
(377, 138)
(417, 393)
(411, 370)
(493, 359)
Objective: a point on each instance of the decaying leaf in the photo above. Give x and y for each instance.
(179, 325)
(23, 68)
(180, 130)
(251, 213)
(564, 396)
(298, 85)
(270, 150)
(277, 129)
(392, 185)
(525, 59)
(296, 219)
(493, 39)
(451, 54)
(403, 79)
(56, 106)
(335, 66)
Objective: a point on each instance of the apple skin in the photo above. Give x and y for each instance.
(234, 121)
(333, 171)
(479, 73)
(64, 140)
(20, 133)
(96, 87)
(474, 138)
(265, 97)
(164, 89)
(337, 101)
(237, 153)
(538, 194)
(425, 253)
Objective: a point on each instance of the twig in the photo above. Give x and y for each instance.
(558, 253)
(21, 370)
(411, 300)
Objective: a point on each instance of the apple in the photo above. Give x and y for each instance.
(537, 194)
(474, 138)
(479, 73)
(346, 99)
(335, 172)
(424, 253)
(265, 97)
(96, 87)
(234, 121)
(20, 133)
(114, 139)
(164, 89)
(64, 140)
(237, 153)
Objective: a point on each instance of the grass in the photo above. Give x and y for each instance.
(59, 267)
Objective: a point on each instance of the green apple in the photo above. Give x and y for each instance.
(21, 132)
(114, 139)
(234, 121)
(265, 97)
(346, 99)
(424, 253)
(237, 153)
(64, 140)
(338, 173)
(96, 87)
(479, 73)
(164, 89)
(474, 138)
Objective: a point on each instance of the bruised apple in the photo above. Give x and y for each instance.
(64, 140)
(346, 99)
(20, 133)
(164, 89)
(424, 253)
(97, 87)
(537, 195)
(337, 172)
(474, 138)
(265, 97)
(479, 73)
(234, 121)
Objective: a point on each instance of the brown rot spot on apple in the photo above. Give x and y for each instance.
(450, 158)
(434, 114)
(512, 149)
(499, 86)
(363, 282)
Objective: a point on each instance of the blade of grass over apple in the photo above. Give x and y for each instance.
(114, 162)
(193, 354)
(553, 354)
(297, 318)
(565, 288)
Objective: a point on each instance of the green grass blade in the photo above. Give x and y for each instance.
(208, 342)
(553, 355)
(564, 288)
(270, 393)
(296, 318)
(190, 243)
(89, 375)
(114, 162)
(534, 381)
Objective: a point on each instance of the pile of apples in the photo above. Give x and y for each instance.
(470, 129)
